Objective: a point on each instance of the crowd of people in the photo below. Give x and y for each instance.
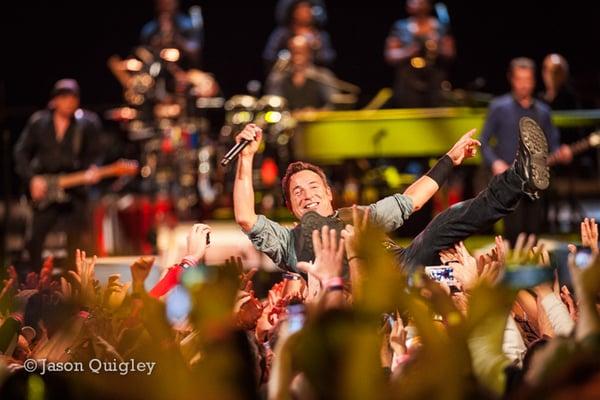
(355, 316)
(355, 333)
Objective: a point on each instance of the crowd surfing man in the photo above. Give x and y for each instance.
(306, 189)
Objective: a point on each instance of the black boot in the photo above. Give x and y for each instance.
(531, 159)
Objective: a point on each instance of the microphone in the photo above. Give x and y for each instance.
(233, 153)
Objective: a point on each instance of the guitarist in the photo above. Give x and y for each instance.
(59, 139)
(499, 141)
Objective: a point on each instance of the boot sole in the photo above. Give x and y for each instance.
(536, 146)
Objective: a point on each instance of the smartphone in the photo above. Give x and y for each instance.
(293, 283)
(525, 277)
(441, 273)
(296, 317)
(389, 320)
(178, 305)
(583, 257)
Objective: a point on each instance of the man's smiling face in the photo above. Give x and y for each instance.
(308, 192)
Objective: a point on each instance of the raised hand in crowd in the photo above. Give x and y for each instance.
(84, 277)
(245, 277)
(11, 283)
(46, 273)
(353, 236)
(140, 269)
(115, 292)
(586, 282)
(197, 241)
(398, 336)
(329, 255)
(273, 311)
(247, 309)
(463, 264)
(589, 234)
(522, 251)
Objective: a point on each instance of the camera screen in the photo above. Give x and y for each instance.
(440, 273)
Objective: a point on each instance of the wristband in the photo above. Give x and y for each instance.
(19, 317)
(354, 257)
(441, 170)
(336, 283)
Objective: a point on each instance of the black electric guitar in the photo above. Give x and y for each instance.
(57, 184)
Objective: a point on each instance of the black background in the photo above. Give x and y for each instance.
(48, 40)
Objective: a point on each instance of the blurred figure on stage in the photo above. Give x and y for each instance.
(300, 81)
(499, 141)
(173, 29)
(420, 48)
(305, 18)
(59, 139)
(558, 94)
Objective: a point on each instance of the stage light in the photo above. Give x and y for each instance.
(133, 65)
(241, 117)
(155, 69)
(273, 117)
(418, 62)
(169, 54)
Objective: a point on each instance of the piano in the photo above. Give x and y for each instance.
(328, 137)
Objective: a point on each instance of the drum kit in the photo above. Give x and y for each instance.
(170, 114)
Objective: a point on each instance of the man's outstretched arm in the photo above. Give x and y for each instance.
(425, 187)
(243, 191)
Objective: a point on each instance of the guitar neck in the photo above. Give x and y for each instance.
(576, 148)
(78, 178)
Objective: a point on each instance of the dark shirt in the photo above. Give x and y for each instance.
(38, 152)
(419, 87)
(184, 26)
(565, 99)
(502, 126)
(313, 94)
(324, 55)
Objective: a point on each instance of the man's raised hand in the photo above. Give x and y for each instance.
(466, 147)
(253, 134)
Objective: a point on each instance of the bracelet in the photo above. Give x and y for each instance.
(354, 257)
(136, 295)
(334, 283)
(19, 317)
(188, 261)
(441, 170)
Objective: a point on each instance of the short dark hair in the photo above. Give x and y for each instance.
(520, 62)
(294, 168)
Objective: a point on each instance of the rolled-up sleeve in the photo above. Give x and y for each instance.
(390, 212)
(272, 239)
(558, 315)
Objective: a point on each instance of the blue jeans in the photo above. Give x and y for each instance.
(464, 219)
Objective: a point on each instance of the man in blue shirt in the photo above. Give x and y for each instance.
(499, 138)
